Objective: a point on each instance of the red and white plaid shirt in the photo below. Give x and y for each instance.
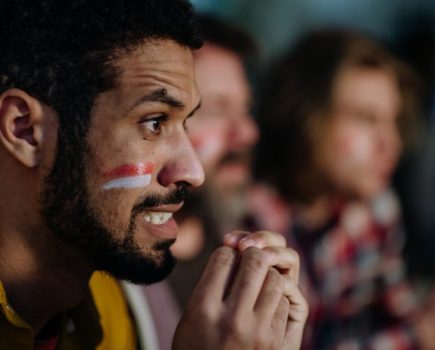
(353, 276)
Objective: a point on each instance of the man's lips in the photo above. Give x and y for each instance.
(170, 208)
(161, 215)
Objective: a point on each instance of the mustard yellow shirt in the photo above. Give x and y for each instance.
(101, 321)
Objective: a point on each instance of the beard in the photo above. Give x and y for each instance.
(228, 208)
(227, 201)
(75, 225)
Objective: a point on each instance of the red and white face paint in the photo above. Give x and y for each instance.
(129, 176)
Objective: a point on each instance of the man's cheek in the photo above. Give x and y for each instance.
(113, 210)
(128, 176)
(354, 148)
(210, 148)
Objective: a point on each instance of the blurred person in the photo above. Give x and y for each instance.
(225, 132)
(94, 99)
(223, 135)
(334, 118)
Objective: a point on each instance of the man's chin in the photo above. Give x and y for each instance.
(142, 269)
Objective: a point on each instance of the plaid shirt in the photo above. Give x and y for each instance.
(354, 278)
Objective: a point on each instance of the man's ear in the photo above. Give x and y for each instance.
(21, 126)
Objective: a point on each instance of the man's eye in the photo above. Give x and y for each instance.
(154, 125)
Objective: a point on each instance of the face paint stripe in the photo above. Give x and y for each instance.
(128, 182)
(131, 170)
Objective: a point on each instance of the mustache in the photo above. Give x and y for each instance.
(175, 196)
(242, 156)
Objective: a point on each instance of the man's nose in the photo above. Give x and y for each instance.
(182, 165)
(244, 132)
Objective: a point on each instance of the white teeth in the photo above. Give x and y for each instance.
(157, 218)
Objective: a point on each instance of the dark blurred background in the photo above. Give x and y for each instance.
(405, 27)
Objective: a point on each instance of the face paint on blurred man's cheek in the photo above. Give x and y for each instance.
(208, 146)
(129, 176)
(355, 147)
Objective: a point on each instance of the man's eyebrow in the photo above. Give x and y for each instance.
(161, 96)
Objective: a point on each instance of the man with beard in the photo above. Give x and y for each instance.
(223, 136)
(225, 133)
(94, 101)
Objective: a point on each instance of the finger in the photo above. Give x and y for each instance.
(233, 238)
(298, 303)
(248, 280)
(298, 314)
(262, 239)
(280, 320)
(286, 260)
(216, 276)
(269, 297)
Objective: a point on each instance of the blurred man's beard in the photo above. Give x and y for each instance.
(227, 206)
(75, 225)
(227, 199)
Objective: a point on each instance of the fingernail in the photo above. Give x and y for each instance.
(230, 239)
(248, 242)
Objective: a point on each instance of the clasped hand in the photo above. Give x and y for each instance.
(247, 298)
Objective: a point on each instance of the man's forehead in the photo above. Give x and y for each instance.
(157, 53)
(156, 65)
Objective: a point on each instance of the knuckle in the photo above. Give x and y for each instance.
(223, 256)
(264, 339)
(236, 329)
(198, 309)
(295, 256)
(251, 251)
(278, 238)
(255, 260)
(275, 281)
(260, 235)
(206, 312)
(281, 239)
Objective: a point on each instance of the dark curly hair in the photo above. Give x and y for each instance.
(227, 35)
(61, 51)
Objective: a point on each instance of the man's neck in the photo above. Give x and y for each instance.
(38, 285)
